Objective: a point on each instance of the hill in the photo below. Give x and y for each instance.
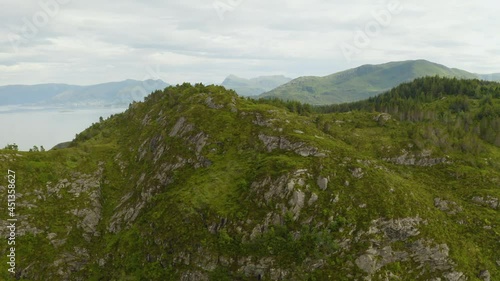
(196, 183)
(361, 82)
(490, 77)
(254, 86)
(106, 94)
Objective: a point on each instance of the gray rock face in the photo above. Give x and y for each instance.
(397, 229)
(210, 103)
(297, 202)
(383, 117)
(374, 259)
(181, 128)
(194, 276)
(449, 207)
(455, 276)
(436, 256)
(313, 199)
(488, 201)
(261, 121)
(357, 173)
(284, 188)
(484, 275)
(429, 255)
(69, 262)
(322, 183)
(272, 143)
(423, 160)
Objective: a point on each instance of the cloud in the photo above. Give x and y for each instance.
(94, 41)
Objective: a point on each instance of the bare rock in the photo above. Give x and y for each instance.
(383, 117)
(489, 201)
(449, 207)
(272, 142)
(422, 160)
(297, 202)
(322, 183)
(194, 276)
(313, 199)
(455, 276)
(375, 259)
(484, 275)
(357, 173)
(210, 103)
(181, 128)
(397, 229)
(424, 252)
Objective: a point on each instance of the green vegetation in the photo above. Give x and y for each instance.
(465, 109)
(196, 183)
(362, 82)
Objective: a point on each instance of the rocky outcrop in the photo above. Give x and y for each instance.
(382, 117)
(211, 104)
(322, 182)
(69, 262)
(450, 207)
(488, 201)
(484, 275)
(194, 276)
(423, 159)
(357, 173)
(431, 257)
(272, 143)
(181, 128)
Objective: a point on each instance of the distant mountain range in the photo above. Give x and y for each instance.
(364, 81)
(254, 86)
(106, 94)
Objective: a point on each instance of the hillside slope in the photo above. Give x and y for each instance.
(196, 183)
(361, 82)
(254, 86)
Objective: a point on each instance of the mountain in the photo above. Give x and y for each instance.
(254, 86)
(490, 77)
(361, 82)
(196, 183)
(114, 93)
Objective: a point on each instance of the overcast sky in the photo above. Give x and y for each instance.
(89, 42)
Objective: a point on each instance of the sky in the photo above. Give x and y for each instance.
(89, 42)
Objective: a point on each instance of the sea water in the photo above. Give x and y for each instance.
(47, 127)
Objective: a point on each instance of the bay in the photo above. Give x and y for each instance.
(47, 127)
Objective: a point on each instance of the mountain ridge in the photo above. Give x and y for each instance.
(362, 82)
(196, 183)
(103, 94)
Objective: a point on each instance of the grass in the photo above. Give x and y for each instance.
(208, 212)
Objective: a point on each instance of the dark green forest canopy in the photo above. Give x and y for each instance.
(464, 109)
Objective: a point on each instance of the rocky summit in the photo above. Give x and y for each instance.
(196, 183)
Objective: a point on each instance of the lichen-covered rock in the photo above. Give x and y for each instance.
(489, 201)
(181, 127)
(424, 252)
(484, 275)
(423, 160)
(194, 276)
(357, 173)
(322, 182)
(272, 143)
(449, 207)
(211, 104)
(312, 199)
